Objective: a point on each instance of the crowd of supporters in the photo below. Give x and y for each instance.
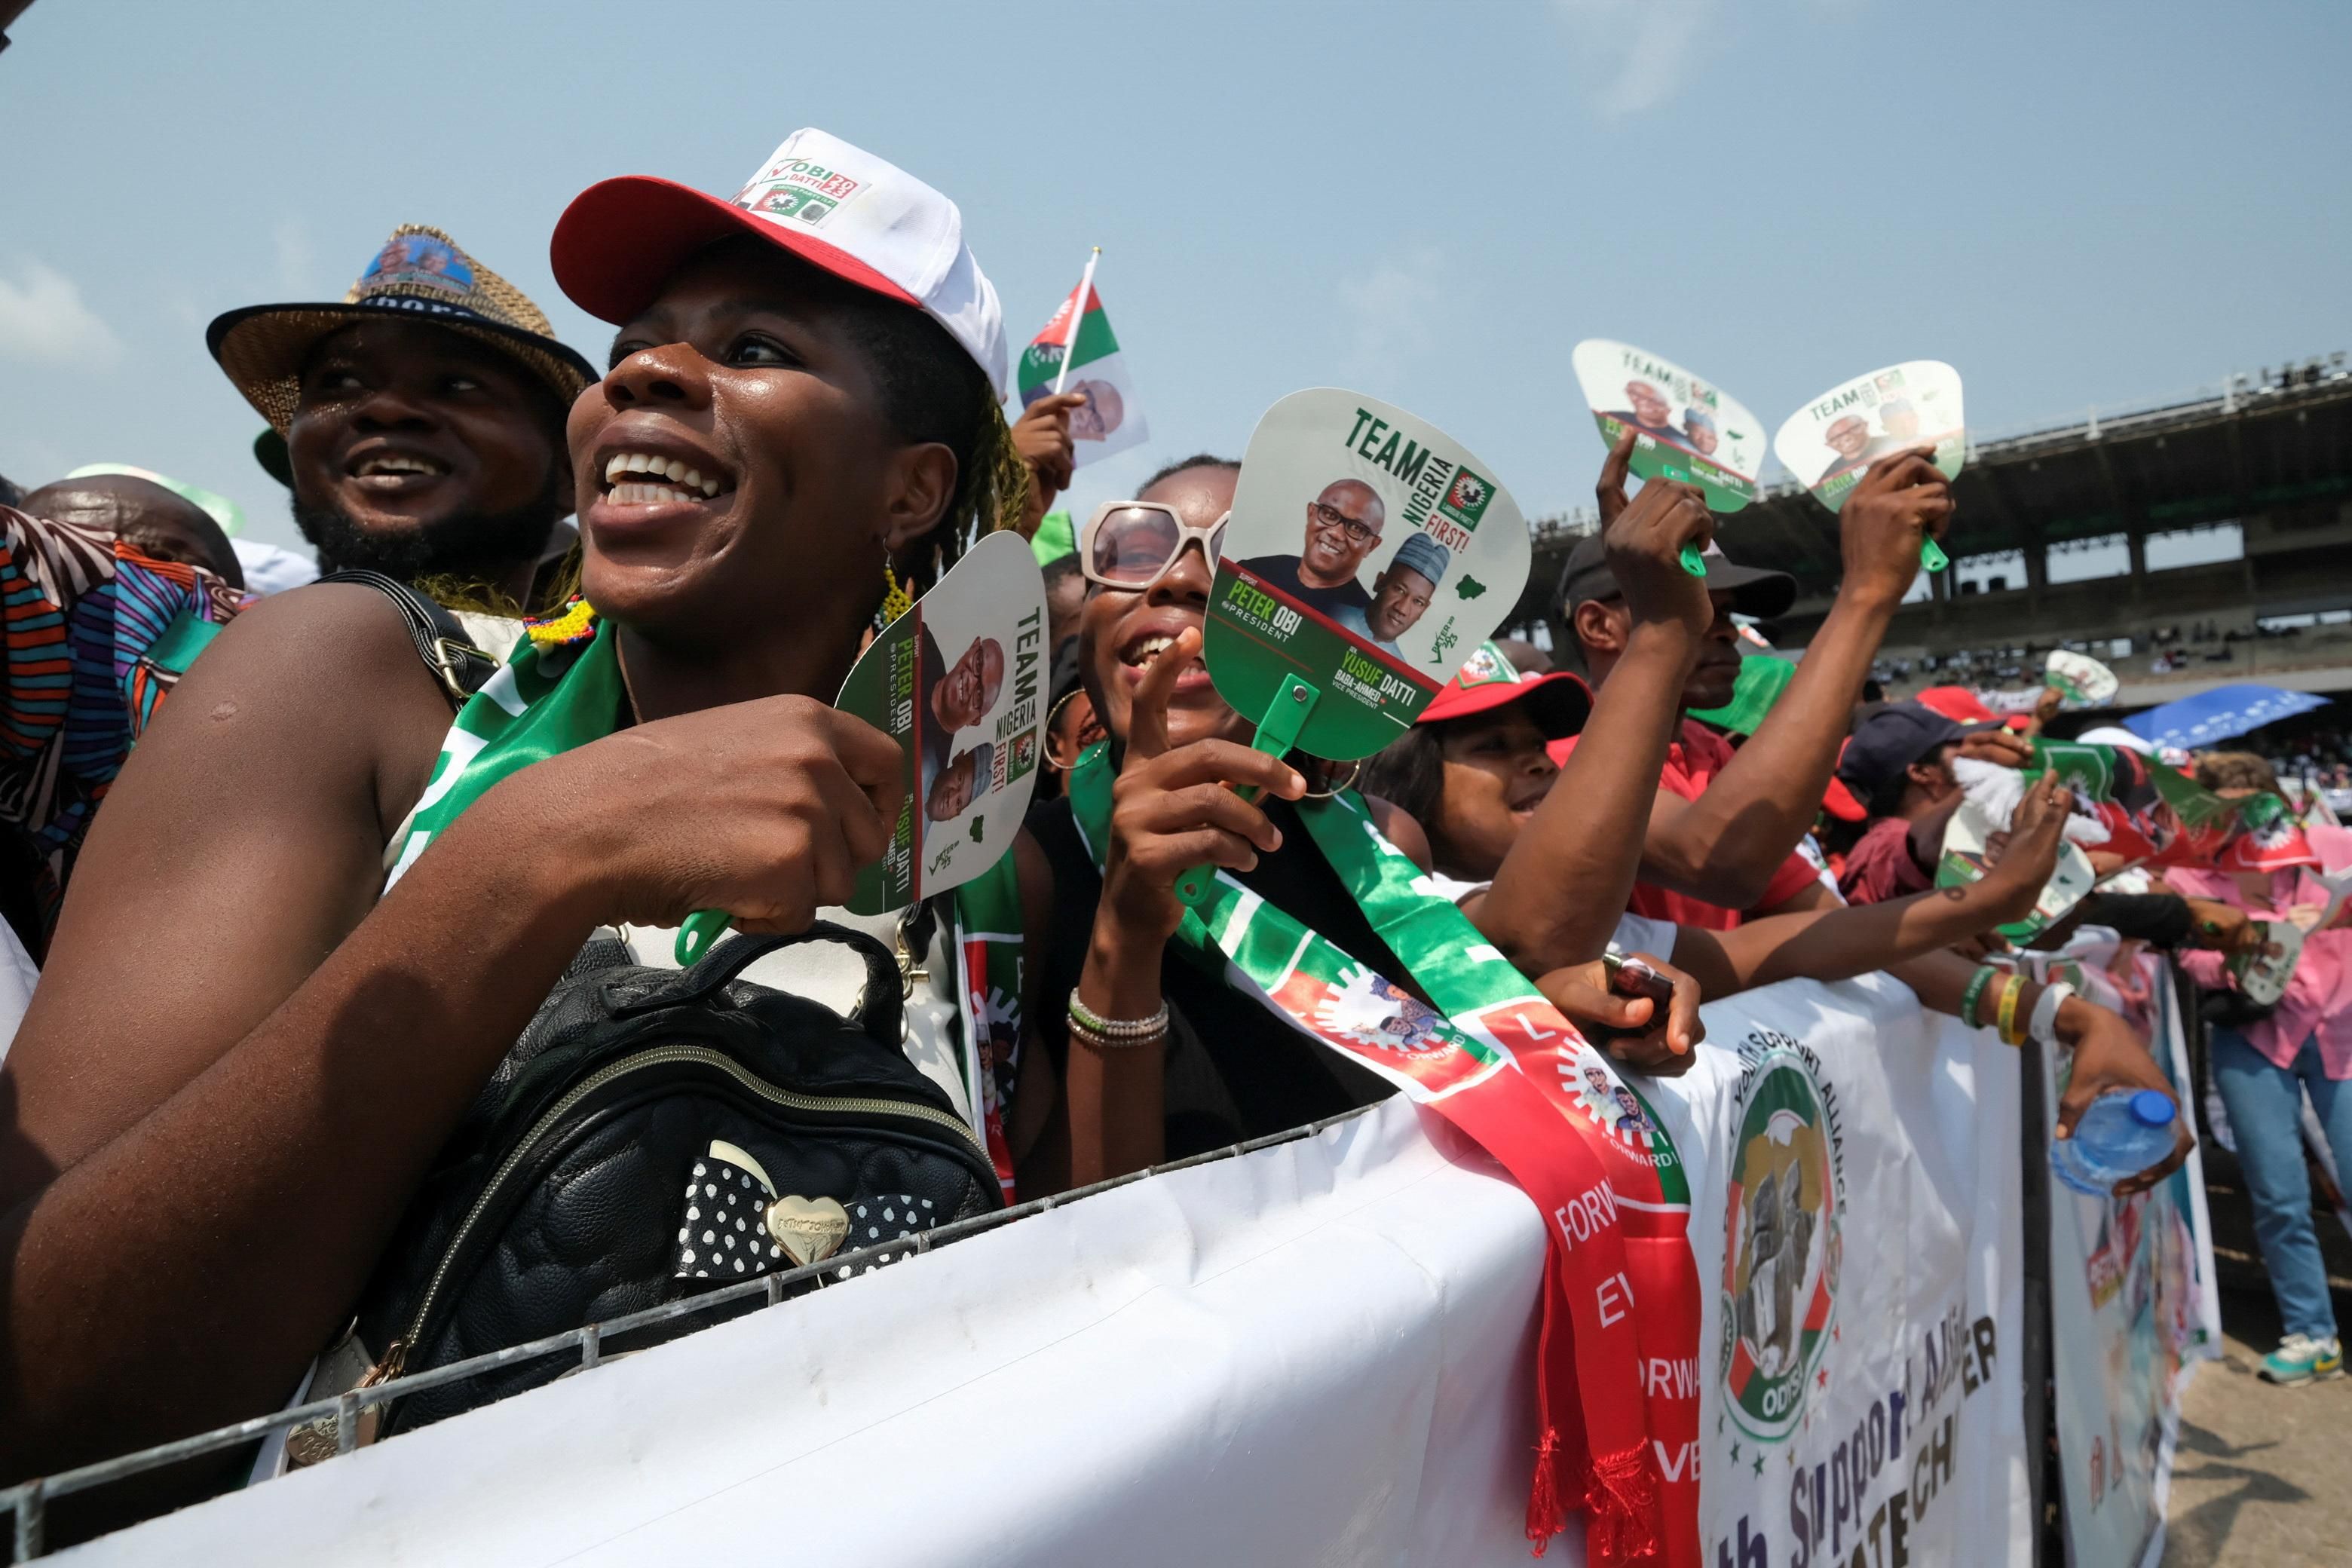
(292, 872)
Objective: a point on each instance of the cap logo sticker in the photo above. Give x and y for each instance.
(1485, 667)
(420, 259)
(797, 189)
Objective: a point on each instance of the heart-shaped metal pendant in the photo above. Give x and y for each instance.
(810, 1230)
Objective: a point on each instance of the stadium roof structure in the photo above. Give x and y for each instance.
(2284, 446)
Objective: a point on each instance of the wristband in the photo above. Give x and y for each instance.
(2006, 1021)
(1974, 995)
(2044, 1026)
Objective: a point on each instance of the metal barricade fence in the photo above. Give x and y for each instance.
(27, 1500)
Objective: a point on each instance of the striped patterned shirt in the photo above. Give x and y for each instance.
(97, 634)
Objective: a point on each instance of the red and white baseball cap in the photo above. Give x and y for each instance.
(1558, 702)
(836, 205)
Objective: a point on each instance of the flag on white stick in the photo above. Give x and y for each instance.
(1076, 352)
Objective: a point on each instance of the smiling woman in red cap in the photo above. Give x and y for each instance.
(801, 416)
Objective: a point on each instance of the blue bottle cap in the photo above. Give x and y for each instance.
(2151, 1107)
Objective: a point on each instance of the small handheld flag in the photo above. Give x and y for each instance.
(1076, 352)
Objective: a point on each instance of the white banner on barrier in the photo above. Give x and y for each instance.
(2133, 1307)
(1859, 1377)
(1316, 1352)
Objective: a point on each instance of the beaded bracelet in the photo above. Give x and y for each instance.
(1112, 1034)
(2010, 1034)
(1975, 993)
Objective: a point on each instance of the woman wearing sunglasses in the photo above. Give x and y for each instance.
(1160, 1055)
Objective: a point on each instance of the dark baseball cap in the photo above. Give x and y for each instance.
(1755, 590)
(1885, 744)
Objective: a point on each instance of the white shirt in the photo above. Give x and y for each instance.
(1634, 933)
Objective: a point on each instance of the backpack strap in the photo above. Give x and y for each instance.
(878, 1014)
(451, 657)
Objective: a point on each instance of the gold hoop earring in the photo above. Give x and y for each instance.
(1355, 772)
(1053, 718)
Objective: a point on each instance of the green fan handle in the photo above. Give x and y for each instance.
(1276, 733)
(702, 928)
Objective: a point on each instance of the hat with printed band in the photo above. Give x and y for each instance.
(1558, 703)
(420, 274)
(837, 206)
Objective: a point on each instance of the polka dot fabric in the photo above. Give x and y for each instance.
(723, 1233)
(892, 1216)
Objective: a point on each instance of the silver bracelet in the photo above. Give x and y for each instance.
(1115, 1032)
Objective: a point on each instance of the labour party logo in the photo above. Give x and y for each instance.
(1620, 1114)
(1368, 1011)
(1780, 1262)
(1467, 500)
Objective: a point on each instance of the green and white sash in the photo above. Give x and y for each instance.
(1500, 1063)
(553, 694)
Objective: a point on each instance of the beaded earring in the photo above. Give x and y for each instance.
(896, 600)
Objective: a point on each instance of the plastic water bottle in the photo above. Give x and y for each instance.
(2122, 1134)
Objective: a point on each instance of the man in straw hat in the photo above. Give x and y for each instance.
(423, 416)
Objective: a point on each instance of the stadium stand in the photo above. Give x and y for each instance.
(2269, 456)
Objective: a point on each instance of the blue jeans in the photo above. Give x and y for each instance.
(2266, 1105)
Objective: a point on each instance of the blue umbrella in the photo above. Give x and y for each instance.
(2216, 715)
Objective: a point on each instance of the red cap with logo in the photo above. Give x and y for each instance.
(1558, 703)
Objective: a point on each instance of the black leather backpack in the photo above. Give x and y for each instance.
(654, 1133)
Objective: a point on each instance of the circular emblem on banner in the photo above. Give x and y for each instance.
(1781, 1261)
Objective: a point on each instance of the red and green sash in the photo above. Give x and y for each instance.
(1495, 1058)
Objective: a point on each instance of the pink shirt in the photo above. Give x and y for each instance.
(2318, 1000)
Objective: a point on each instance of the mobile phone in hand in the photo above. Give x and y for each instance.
(1630, 978)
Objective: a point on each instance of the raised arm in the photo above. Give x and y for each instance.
(1725, 846)
(1558, 894)
(1838, 942)
(1170, 810)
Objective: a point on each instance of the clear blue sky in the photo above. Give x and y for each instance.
(1431, 203)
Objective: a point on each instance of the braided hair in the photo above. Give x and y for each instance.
(933, 390)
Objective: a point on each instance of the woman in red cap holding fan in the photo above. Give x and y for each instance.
(800, 414)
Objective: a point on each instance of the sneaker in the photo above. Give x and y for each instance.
(2301, 1359)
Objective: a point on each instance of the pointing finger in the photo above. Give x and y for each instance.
(1148, 722)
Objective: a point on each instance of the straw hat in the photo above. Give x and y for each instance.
(421, 274)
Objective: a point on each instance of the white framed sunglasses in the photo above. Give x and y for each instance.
(1132, 544)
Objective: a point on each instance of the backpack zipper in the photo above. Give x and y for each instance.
(396, 1352)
